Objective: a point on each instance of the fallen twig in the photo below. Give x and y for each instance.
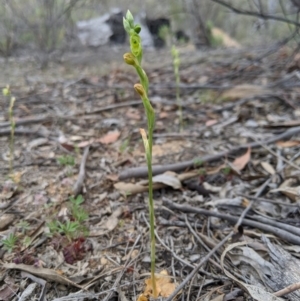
(289, 289)
(208, 255)
(79, 183)
(159, 169)
(25, 131)
(34, 119)
(287, 236)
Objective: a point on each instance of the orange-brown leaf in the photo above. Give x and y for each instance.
(164, 285)
(240, 162)
(110, 137)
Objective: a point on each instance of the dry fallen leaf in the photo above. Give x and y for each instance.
(110, 137)
(168, 178)
(211, 122)
(9, 289)
(244, 90)
(289, 143)
(240, 162)
(293, 193)
(43, 273)
(164, 285)
(268, 168)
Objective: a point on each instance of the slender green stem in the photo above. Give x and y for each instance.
(148, 149)
(12, 134)
(178, 99)
(176, 63)
(143, 77)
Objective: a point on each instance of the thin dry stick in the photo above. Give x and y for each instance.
(113, 107)
(34, 119)
(115, 286)
(287, 236)
(172, 259)
(208, 255)
(158, 169)
(289, 162)
(81, 176)
(198, 266)
(268, 200)
(200, 241)
(185, 263)
(289, 289)
(26, 131)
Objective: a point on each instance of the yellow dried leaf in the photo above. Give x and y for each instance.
(142, 297)
(164, 285)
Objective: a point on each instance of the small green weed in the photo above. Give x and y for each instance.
(198, 162)
(226, 171)
(78, 213)
(73, 227)
(202, 172)
(66, 160)
(9, 243)
(124, 146)
(23, 226)
(70, 229)
(26, 241)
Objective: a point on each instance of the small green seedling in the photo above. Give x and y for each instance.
(6, 92)
(73, 228)
(70, 229)
(226, 171)
(53, 227)
(23, 226)
(202, 172)
(197, 162)
(9, 243)
(78, 213)
(176, 64)
(26, 241)
(124, 146)
(67, 160)
(134, 58)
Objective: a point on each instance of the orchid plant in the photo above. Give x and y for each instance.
(134, 58)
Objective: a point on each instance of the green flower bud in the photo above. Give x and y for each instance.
(176, 61)
(129, 59)
(126, 25)
(6, 91)
(174, 51)
(140, 90)
(137, 28)
(135, 44)
(129, 18)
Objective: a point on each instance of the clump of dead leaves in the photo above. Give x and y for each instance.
(164, 286)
